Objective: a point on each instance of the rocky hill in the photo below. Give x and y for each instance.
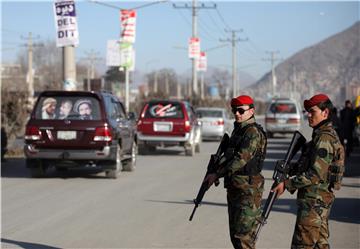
(331, 66)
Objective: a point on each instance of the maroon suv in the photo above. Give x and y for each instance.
(70, 129)
(168, 123)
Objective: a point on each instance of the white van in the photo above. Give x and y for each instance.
(282, 116)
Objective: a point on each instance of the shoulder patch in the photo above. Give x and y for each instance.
(322, 152)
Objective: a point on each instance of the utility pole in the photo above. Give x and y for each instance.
(69, 68)
(155, 82)
(202, 87)
(167, 87)
(30, 73)
(178, 90)
(30, 76)
(294, 78)
(92, 58)
(195, 8)
(273, 75)
(233, 42)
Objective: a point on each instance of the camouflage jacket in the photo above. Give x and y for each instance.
(247, 149)
(312, 182)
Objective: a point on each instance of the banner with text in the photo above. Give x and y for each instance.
(128, 26)
(113, 57)
(201, 62)
(194, 47)
(66, 25)
(127, 56)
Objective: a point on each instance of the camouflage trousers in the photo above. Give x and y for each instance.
(244, 209)
(311, 228)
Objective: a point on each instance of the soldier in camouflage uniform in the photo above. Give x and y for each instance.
(313, 177)
(242, 173)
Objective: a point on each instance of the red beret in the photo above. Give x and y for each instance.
(242, 100)
(315, 100)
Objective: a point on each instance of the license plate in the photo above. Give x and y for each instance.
(163, 127)
(282, 121)
(66, 135)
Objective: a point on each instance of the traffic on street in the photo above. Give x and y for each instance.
(150, 208)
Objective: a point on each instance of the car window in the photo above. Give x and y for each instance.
(285, 108)
(113, 108)
(68, 107)
(209, 113)
(121, 110)
(190, 112)
(164, 110)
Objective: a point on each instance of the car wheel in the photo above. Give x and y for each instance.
(36, 167)
(190, 151)
(113, 173)
(129, 164)
(142, 149)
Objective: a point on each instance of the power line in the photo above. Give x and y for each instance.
(233, 42)
(118, 8)
(195, 8)
(205, 30)
(213, 21)
(273, 59)
(222, 19)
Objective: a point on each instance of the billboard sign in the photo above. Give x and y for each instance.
(66, 25)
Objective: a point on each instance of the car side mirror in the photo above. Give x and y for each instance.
(131, 116)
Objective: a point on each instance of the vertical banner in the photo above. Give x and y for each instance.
(128, 26)
(194, 47)
(113, 57)
(127, 56)
(66, 25)
(201, 62)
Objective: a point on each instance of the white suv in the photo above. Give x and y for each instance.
(282, 116)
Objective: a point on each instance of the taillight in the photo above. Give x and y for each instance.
(103, 134)
(293, 121)
(142, 115)
(187, 126)
(219, 122)
(139, 122)
(270, 120)
(32, 133)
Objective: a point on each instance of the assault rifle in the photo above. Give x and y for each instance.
(213, 165)
(281, 172)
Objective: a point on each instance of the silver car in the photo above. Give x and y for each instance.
(282, 116)
(214, 122)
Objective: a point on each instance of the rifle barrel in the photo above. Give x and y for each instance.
(193, 212)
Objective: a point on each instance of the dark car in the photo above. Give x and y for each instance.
(72, 129)
(168, 123)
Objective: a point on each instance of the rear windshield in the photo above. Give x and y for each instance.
(164, 110)
(68, 107)
(209, 114)
(283, 108)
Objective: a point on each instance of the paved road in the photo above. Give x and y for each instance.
(150, 208)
